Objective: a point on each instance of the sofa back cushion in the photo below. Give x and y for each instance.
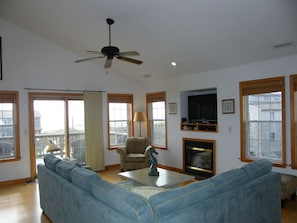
(63, 168)
(257, 168)
(163, 203)
(136, 145)
(51, 161)
(234, 178)
(228, 180)
(84, 178)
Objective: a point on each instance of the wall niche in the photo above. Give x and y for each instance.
(199, 110)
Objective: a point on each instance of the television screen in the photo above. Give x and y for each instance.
(202, 108)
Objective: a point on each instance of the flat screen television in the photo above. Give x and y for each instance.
(202, 108)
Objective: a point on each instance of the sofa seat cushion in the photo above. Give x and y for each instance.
(84, 178)
(64, 168)
(50, 161)
(134, 157)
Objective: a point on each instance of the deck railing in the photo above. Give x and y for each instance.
(42, 140)
(76, 140)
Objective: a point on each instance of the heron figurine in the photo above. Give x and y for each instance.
(153, 162)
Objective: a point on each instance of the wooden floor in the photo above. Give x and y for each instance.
(20, 203)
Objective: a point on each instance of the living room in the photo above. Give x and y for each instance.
(29, 61)
(32, 62)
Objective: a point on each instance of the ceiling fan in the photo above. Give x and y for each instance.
(112, 51)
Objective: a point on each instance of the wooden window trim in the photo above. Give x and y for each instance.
(293, 102)
(155, 97)
(266, 85)
(120, 98)
(13, 96)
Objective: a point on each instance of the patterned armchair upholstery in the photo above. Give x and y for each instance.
(134, 154)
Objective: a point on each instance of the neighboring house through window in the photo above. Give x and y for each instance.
(120, 110)
(157, 124)
(262, 118)
(9, 126)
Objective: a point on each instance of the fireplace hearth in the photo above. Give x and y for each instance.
(199, 157)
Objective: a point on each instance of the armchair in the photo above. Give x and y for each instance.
(134, 155)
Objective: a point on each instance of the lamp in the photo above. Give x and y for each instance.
(139, 117)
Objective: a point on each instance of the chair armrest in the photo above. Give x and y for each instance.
(122, 150)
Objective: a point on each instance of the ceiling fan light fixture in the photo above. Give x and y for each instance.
(173, 63)
(111, 52)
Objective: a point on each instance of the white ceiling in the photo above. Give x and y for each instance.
(200, 35)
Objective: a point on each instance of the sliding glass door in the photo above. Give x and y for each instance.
(56, 127)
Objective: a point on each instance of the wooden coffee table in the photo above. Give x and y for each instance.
(166, 178)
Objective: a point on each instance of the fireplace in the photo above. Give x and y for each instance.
(199, 157)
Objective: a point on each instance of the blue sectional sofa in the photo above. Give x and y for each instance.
(73, 194)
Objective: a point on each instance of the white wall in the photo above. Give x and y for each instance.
(32, 62)
(227, 83)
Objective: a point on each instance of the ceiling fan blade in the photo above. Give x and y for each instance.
(93, 51)
(130, 60)
(86, 59)
(129, 53)
(108, 63)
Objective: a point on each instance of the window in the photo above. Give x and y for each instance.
(9, 126)
(120, 110)
(293, 104)
(262, 118)
(156, 109)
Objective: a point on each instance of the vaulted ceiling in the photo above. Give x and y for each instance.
(199, 35)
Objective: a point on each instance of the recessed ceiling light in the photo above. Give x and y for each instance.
(146, 75)
(173, 63)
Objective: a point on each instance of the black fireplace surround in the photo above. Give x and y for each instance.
(199, 157)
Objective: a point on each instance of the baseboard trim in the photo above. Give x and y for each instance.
(171, 168)
(117, 166)
(112, 167)
(17, 181)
